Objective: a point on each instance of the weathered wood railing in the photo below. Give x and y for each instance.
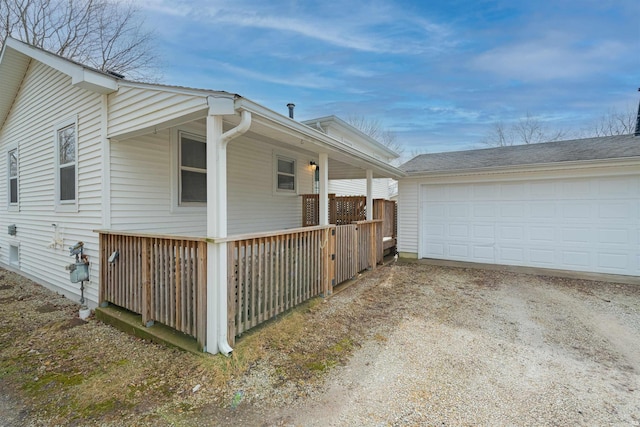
(347, 261)
(310, 210)
(268, 273)
(370, 250)
(163, 278)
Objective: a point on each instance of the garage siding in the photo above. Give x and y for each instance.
(581, 224)
(408, 194)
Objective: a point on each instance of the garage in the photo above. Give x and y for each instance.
(567, 205)
(586, 224)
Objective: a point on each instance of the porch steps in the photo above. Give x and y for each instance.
(131, 323)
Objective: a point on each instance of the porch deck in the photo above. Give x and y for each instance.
(163, 278)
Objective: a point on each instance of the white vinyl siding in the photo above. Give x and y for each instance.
(45, 99)
(141, 188)
(358, 187)
(135, 108)
(408, 216)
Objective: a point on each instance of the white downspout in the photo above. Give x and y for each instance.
(217, 142)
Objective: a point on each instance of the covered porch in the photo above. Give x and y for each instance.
(188, 264)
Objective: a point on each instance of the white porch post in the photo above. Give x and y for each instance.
(323, 160)
(369, 194)
(216, 227)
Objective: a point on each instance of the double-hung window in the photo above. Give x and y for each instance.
(285, 175)
(193, 169)
(67, 155)
(13, 177)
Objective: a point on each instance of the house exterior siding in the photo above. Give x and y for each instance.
(126, 115)
(408, 201)
(46, 98)
(358, 187)
(143, 187)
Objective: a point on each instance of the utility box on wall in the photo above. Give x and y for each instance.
(12, 230)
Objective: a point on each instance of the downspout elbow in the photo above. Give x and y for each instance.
(243, 126)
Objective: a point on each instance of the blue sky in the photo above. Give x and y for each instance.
(437, 73)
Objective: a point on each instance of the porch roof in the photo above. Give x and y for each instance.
(345, 161)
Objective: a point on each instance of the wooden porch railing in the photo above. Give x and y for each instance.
(370, 250)
(310, 210)
(163, 278)
(347, 209)
(268, 273)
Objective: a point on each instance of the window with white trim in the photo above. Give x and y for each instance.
(67, 156)
(192, 176)
(285, 174)
(13, 177)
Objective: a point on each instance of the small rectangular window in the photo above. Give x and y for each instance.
(13, 177)
(285, 174)
(67, 164)
(193, 169)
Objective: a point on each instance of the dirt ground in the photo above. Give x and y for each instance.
(408, 344)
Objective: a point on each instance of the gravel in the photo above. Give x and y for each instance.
(425, 345)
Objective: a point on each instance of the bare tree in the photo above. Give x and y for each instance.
(373, 128)
(527, 130)
(107, 35)
(614, 122)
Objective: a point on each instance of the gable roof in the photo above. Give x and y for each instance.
(322, 122)
(14, 62)
(577, 150)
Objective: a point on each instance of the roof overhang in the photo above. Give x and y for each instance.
(625, 164)
(14, 62)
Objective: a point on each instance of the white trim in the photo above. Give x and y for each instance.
(288, 158)
(15, 264)
(13, 207)
(66, 205)
(176, 205)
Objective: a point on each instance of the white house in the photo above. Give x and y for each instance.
(91, 154)
(568, 205)
(353, 137)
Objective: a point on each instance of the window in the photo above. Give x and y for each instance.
(13, 177)
(193, 169)
(285, 175)
(67, 163)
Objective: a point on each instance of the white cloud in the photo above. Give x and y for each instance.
(550, 58)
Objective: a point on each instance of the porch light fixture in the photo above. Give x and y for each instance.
(313, 165)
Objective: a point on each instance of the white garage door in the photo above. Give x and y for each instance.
(585, 224)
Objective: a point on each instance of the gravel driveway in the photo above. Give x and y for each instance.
(408, 344)
(491, 348)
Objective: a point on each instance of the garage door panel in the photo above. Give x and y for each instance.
(573, 210)
(458, 230)
(542, 210)
(586, 224)
(615, 236)
(542, 234)
(542, 257)
(576, 235)
(511, 232)
(484, 253)
(575, 258)
(614, 261)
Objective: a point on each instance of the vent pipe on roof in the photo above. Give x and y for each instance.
(637, 132)
(291, 107)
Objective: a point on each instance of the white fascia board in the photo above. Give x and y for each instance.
(624, 162)
(80, 76)
(323, 141)
(95, 82)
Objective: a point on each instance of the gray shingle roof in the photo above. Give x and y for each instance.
(606, 147)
